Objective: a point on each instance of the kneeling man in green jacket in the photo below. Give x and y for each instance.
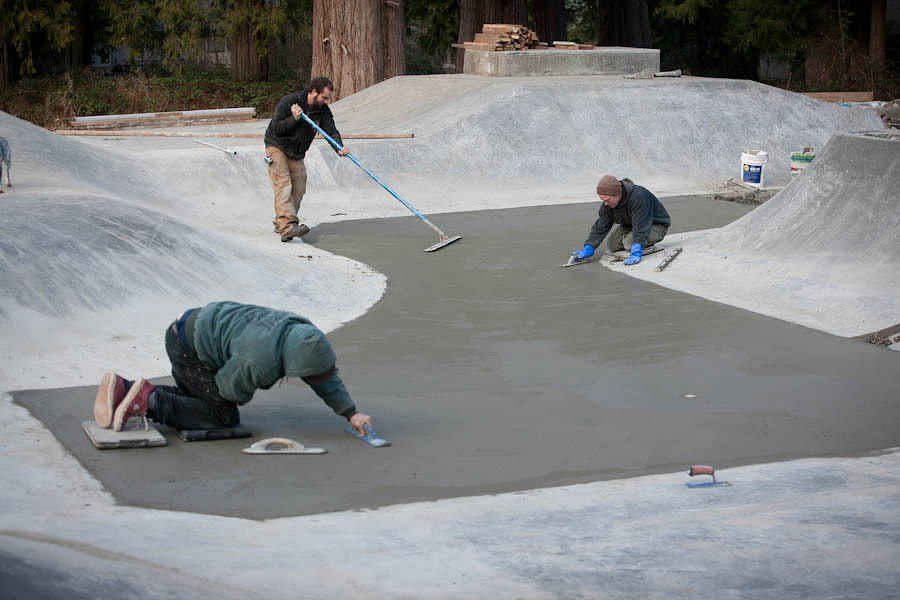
(221, 354)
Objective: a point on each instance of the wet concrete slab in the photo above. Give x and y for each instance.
(491, 369)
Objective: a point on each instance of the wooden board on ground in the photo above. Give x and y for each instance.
(209, 435)
(107, 439)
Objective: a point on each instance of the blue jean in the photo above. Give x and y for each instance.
(194, 401)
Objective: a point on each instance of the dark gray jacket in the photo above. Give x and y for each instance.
(638, 210)
(293, 137)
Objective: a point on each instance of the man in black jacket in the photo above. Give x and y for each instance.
(640, 218)
(287, 139)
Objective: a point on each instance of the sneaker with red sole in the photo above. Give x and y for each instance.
(109, 396)
(134, 404)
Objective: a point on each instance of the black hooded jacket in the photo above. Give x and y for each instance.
(293, 137)
(638, 210)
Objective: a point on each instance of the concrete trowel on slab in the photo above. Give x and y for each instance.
(614, 256)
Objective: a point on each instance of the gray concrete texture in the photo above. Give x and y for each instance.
(518, 135)
(566, 130)
(491, 369)
(822, 252)
(544, 63)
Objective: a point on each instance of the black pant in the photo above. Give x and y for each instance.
(194, 402)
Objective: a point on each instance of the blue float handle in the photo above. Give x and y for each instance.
(372, 175)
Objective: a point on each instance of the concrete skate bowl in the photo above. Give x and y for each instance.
(562, 131)
(502, 139)
(85, 247)
(492, 369)
(823, 252)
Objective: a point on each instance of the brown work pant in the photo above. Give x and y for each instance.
(288, 177)
(621, 238)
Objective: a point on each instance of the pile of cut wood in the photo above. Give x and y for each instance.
(499, 36)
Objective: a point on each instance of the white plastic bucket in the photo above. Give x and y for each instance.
(753, 167)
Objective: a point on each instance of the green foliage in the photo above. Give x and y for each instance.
(779, 28)
(35, 25)
(435, 23)
(698, 45)
(52, 101)
(178, 29)
(686, 12)
(581, 21)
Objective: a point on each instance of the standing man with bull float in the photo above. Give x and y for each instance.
(287, 139)
(640, 218)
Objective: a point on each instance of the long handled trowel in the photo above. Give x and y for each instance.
(444, 240)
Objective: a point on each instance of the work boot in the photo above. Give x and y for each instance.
(134, 404)
(294, 231)
(109, 396)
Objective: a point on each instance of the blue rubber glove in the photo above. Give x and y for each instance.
(586, 252)
(637, 251)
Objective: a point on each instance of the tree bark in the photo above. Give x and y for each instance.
(5, 78)
(473, 14)
(623, 23)
(348, 43)
(246, 63)
(394, 39)
(550, 20)
(877, 32)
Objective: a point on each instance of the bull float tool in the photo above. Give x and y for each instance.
(444, 240)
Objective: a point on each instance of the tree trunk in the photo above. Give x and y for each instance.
(5, 78)
(348, 44)
(473, 14)
(623, 23)
(877, 31)
(394, 39)
(550, 20)
(246, 63)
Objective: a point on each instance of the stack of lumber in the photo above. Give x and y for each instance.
(499, 37)
(165, 119)
(572, 46)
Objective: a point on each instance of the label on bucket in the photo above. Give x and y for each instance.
(752, 173)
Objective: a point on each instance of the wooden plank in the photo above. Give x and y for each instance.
(500, 27)
(842, 96)
(487, 38)
(217, 134)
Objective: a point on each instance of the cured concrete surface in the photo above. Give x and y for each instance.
(536, 63)
(822, 253)
(491, 369)
(809, 528)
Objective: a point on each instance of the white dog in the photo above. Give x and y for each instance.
(5, 157)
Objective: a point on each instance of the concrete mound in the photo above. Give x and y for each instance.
(822, 253)
(99, 251)
(675, 133)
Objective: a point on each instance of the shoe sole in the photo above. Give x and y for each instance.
(103, 404)
(303, 231)
(119, 419)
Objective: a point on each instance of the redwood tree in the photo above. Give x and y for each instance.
(623, 23)
(475, 13)
(394, 39)
(550, 20)
(348, 43)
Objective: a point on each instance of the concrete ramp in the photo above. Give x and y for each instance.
(822, 253)
(484, 142)
(99, 252)
(669, 133)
